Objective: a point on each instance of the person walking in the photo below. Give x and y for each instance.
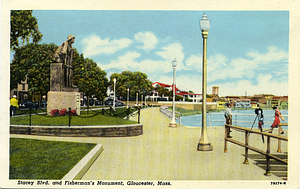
(276, 120)
(228, 118)
(14, 104)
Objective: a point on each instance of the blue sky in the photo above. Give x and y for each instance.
(247, 50)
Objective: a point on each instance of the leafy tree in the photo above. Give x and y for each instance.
(33, 61)
(163, 91)
(23, 26)
(137, 82)
(88, 77)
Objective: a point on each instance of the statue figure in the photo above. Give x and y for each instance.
(64, 54)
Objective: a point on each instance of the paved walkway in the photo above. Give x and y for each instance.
(164, 153)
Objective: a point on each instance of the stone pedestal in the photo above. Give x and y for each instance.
(61, 99)
(56, 77)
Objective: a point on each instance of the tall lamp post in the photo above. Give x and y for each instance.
(203, 144)
(173, 122)
(127, 97)
(142, 100)
(114, 102)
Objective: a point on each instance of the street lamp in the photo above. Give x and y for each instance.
(137, 98)
(142, 100)
(173, 122)
(114, 102)
(127, 97)
(203, 144)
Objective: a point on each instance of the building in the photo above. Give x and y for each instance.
(243, 103)
(21, 91)
(215, 91)
(191, 97)
(187, 96)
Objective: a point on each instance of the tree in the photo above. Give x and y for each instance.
(137, 82)
(23, 27)
(32, 61)
(89, 78)
(163, 91)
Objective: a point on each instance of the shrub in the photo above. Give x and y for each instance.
(73, 112)
(62, 111)
(54, 112)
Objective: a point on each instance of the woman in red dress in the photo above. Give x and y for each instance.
(276, 120)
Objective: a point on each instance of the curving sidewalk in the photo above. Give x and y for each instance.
(171, 154)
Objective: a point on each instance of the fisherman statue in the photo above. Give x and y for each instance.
(64, 54)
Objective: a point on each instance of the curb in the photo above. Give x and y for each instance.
(78, 171)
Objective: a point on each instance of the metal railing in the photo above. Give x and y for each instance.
(235, 118)
(169, 114)
(248, 147)
(108, 111)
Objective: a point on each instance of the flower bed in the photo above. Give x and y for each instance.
(62, 112)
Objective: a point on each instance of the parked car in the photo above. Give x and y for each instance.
(27, 104)
(118, 103)
(109, 102)
(43, 104)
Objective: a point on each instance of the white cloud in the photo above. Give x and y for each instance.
(265, 85)
(124, 62)
(128, 62)
(172, 51)
(94, 45)
(184, 82)
(194, 62)
(274, 54)
(219, 68)
(148, 39)
(252, 74)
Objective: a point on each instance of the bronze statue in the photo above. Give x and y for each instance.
(64, 54)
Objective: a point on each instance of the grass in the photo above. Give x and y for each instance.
(40, 159)
(185, 112)
(93, 117)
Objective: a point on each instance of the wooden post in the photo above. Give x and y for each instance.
(268, 157)
(225, 141)
(246, 148)
(279, 141)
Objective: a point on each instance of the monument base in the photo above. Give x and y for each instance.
(60, 99)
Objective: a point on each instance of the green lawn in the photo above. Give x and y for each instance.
(86, 118)
(40, 159)
(185, 112)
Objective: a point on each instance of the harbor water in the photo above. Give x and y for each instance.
(242, 118)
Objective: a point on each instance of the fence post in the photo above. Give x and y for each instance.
(30, 116)
(179, 118)
(246, 148)
(268, 157)
(128, 113)
(139, 113)
(279, 141)
(236, 119)
(225, 141)
(69, 117)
